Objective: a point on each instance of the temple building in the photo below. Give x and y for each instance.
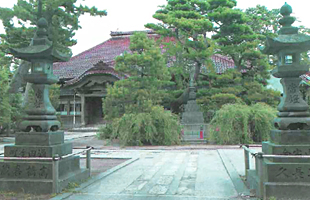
(85, 77)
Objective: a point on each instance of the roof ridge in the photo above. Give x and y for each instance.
(127, 33)
(90, 49)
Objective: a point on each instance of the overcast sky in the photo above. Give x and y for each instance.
(130, 15)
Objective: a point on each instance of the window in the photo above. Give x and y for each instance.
(62, 110)
(78, 108)
(288, 59)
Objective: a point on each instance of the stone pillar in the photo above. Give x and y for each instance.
(83, 109)
(192, 118)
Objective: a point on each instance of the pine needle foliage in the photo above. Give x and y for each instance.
(5, 107)
(242, 124)
(133, 104)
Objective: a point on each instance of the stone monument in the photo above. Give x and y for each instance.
(286, 178)
(192, 118)
(39, 136)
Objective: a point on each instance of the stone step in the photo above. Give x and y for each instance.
(194, 141)
(85, 129)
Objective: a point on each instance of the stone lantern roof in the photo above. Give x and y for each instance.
(288, 38)
(40, 47)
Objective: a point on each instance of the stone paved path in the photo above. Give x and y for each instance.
(190, 174)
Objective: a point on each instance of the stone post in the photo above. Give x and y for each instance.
(286, 178)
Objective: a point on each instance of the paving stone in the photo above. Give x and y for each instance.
(135, 186)
(159, 190)
(168, 175)
(165, 180)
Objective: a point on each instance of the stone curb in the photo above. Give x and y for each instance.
(239, 185)
(96, 178)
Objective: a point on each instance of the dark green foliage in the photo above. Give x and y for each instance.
(62, 16)
(232, 87)
(156, 127)
(5, 107)
(105, 132)
(242, 124)
(10, 104)
(222, 99)
(145, 86)
(209, 105)
(237, 39)
(263, 21)
(132, 104)
(261, 121)
(187, 22)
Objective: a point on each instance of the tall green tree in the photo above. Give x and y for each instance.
(263, 21)
(148, 77)
(20, 25)
(187, 23)
(61, 15)
(237, 40)
(133, 104)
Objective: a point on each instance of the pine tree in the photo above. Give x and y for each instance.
(148, 77)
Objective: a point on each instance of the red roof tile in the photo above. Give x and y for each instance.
(106, 52)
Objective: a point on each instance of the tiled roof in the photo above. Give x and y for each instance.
(86, 60)
(106, 52)
(222, 63)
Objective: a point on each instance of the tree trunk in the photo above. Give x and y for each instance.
(182, 99)
(18, 78)
(197, 71)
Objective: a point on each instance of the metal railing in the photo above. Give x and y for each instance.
(55, 164)
(259, 157)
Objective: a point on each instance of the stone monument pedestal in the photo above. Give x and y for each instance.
(283, 178)
(192, 120)
(36, 176)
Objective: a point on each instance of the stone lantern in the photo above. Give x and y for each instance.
(282, 177)
(40, 116)
(28, 166)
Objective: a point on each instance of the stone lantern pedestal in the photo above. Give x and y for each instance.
(30, 167)
(276, 176)
(37, 176)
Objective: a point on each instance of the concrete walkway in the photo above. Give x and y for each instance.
(169, 175)
(165, 173)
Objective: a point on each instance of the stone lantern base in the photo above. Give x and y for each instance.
(37, 176)
(283, 178)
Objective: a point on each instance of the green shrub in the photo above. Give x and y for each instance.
(242, 124)
(222, 99)
(209, 105)
(261, 121)
(105, 132)
(157, 127)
